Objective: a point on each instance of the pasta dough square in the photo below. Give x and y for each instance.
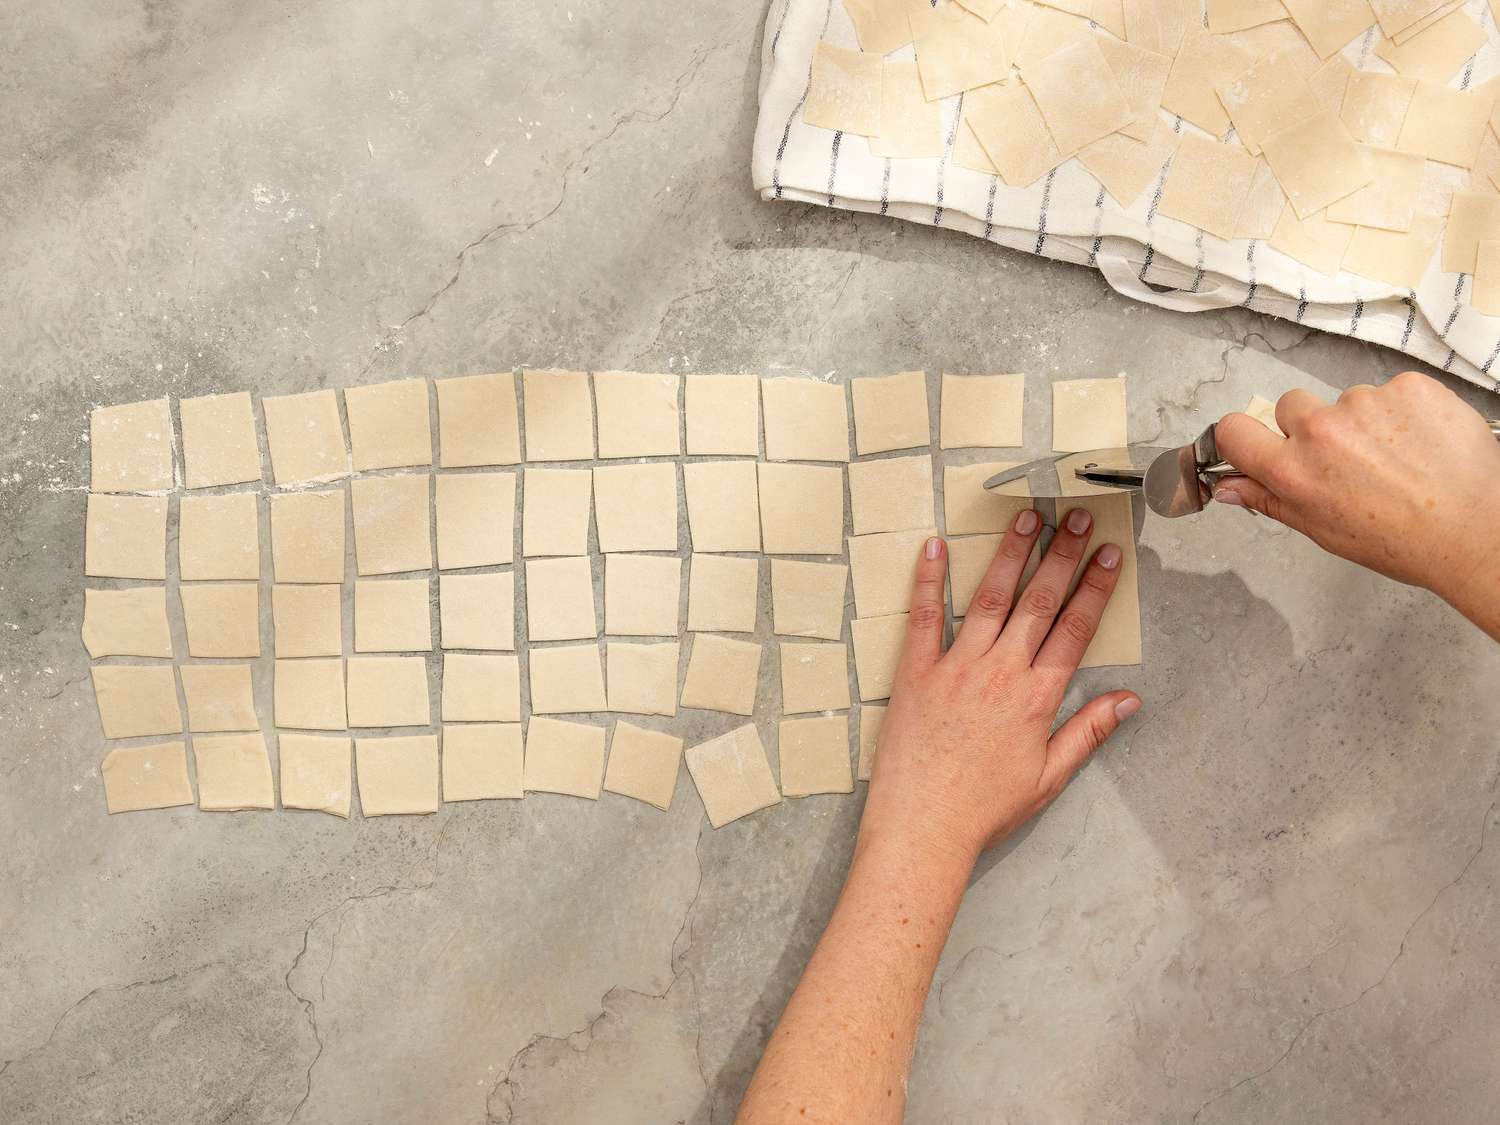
(1141, 76)
(1263, 205)
(642, 678)
(1317, 162)
(1314, 241)
(478, 423)
(130, 447)
(1330, 24)
(642, 594)
(559, 416)
(814, 677)
(815, 756)
(307, 537)
(218, 537)
(555, 512)
(388, 691)
(982, 410)
(222, 620)
(883, 567)
(482, 762)
(476, 519)
(1088, 414)
(389, 425)
(565, 679)
(220, 697)
(723, 593)
(305, 437)
(234, 772)
(1390, 200)
(643, 764)
(877, 652)
(956, 50)
(1267, 97)
(131, 622)
(843, 91)
(310, 694)
(1047, 29)
(1399, 15)
(316, 772)
(560, 600)
(722, 675)
(880, 25)
(871, 716)
(1078, 95)
(891, 413)
(1486, 297)
(1439, 52)
(1127, 167)
(801, 509)
(1446, 125)
(1392, 257)
(732, 775)
(391, 615)
(1207, 185)
(1473, 218)
(481, 688)
(910, 125)
(1203, 60)
(723, 512)
(893, 494)
(146, 777)
(397, 775)
(1118, 639)
(723, 414)
(565, 758)
(1009, 126)
(219, 445)
(968, 560)
(1237, 15)
(136, 699)
(807, 598)
(125, 537)
(638, 415)
(806, 420)
(392, 524)
(969, 507)
(636, 507)
(307, 620)
(1375, 105)
(1157, 25)
(478, 610)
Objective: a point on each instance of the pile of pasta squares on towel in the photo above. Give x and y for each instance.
(455, 627)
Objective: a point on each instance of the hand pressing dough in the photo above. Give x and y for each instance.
(801, 509)
(723, 512)
(219, 445)
(1237, 15)
(566, 679)
(723, 413)
(891, 413)
(732, 775)
(807, 598)
(222, 620)
(891, 494)
(218, 537)
(565, 758)
(560, 600)
(635, 507)
(982, 410)
(638, 414)
(483, 762)
(305, 437)
(130, 622)
(1375, 105)
(1314, 241)
(1266, 98)
(722, 675)
(956, 50)
(1397, 259)
(234, 772)
(1088, 414)
(1486, 297)
(136, 699)
(1390, 200)
(968, 560)
(307, 537)
(877, 651)
(1330, 24)
(814, 677)
(911, 127)
(883, 566)
(1118, 640)
(843, 91)
(1446, 125)
(478, 423)
(1126, 168)
(397, 775)
(479, 610)
(146, 777)
(555, 511)
(476, 519)
(643, 764)
(969, 507)
(1141, 76)
(815, 756)
(390, 615)
(1078, 95)
(723, 593)
(559, 416)
(392, 524)
(126, 537)
(130, 447)
(642, 594)
(388, 691)
(220, 697)
(871, 717)
(1207, 185)
(389, 425)
(642, 678)
(1009, 126)
(1438, 53)
(806, 420)
(315, 772)
(481, 688)
(310, 694)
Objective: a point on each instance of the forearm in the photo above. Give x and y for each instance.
(844, 1044)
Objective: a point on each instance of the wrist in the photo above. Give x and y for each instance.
(1471, 584)
(924, 860)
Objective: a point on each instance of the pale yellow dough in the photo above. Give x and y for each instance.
(1317, 163)
(635, 507)
(218, 537)
(722, 414)
(146, 777)
(732, 775)
(1125, 167)
(234, 772)
(476, 519)
(882, 567)
(806, 420)
(723, 510)
(890, 412)
(392, 524)
(643, 764)
(1399, 15)
(478, 423)
(388, 691)
(801, 509)
(1315, 241)
(844, 91)
(1118, 639)
(390, 615)
(560, 600)
(136, 699)
(1009, 126)
(891, 494)
(723, 593)
(389, 425)
(1088, 414)
(1263, 205)
(1263, 410)
(642, 679)
(1439, 52)
(807, 598)
(814, 677)
(642, 594)
(220, 697)
(1330, 24)
(305, 437)
(397, 775)
(565, 758)
(555, 511)
(219, 445)
(957, 50)
(1473, 218)
(481, 688)
(1393, 257)
(1157, 25)
(307, 620)
(1141, 76)
(877, 651)
(479, 611)
(969, 507)
(559, 416)
(815, 756)
(483, 762)
(871, 717)
(1237, 15)
(1078, 94)
(1266, 98)
(722, 675)
(126, 537)
(982, 410)
(880, 26)
(1204, 60)
(309, 694)
(1207, 185)
(223, 620)
(638, 414)
(1486, 297)
(1446, 125)
(130, 622)
(307, 537)
(1390, 199)
(1375, 106)
(130, 447)
(910, 125)
(315, 772)
(566, 679)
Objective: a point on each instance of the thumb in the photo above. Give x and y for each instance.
(1243, 492)
(1073, 742)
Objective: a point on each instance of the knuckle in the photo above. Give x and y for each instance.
(990, 602)
(1076, 626)
(925, 616)
(1098, 580)
(1041, 601)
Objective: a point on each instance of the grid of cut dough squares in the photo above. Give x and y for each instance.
(476, 588)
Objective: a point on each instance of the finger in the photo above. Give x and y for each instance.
(1250, 447)
(996, 594)
(1038, 605)
(1242, 492)
(1294, 407)
(924, 624)
(1073, 742)
(1069, 638)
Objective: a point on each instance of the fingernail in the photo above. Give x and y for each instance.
(1229, 496)
(934, 547)
(1126, 708)
(1078, 521)
(1027, 521)
(1109, 556)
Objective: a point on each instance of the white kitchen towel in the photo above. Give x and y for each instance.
(1067, 215)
